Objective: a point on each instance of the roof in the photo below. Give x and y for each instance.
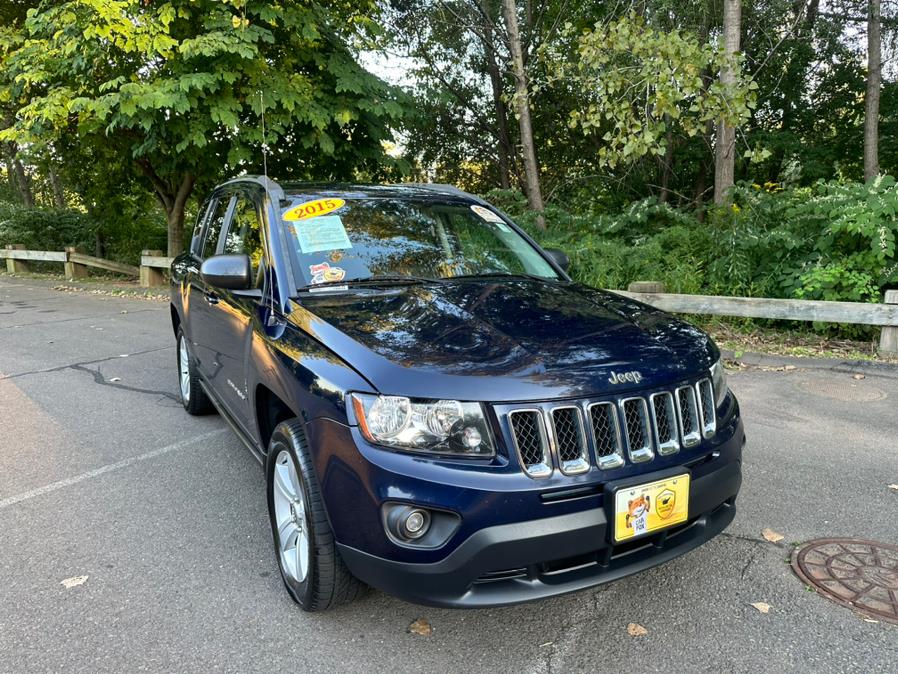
(396, 190)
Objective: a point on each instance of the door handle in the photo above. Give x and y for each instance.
(211, 298)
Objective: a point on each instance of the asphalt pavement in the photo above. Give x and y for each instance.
(104, 476)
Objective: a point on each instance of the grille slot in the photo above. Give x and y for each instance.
(638, 432)
(707, 407)
(530, 440)
(567, 427)
(606, 435)
(687, 413)
(664, 416)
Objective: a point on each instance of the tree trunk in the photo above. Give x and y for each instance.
(58, 192)
(10, 172)
(871, 100)
(173, 197)
(725, 150)
(504, 140)
(666, 163)
(175, 218)
(17, 171)
(522, 106)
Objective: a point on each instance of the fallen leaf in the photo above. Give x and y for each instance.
(762, 607)
(74, 581)
(859, 376)
(116, 379)
(548, 643)
(636, 630)
(421, 627)
(772, 536)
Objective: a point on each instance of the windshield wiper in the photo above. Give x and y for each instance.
(386, 280)
(498, 274)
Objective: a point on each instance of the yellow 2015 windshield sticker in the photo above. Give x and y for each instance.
(312, 209)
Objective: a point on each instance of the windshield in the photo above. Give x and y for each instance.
(336, 239)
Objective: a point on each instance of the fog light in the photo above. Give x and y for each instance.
(408, 523)
(415, 524)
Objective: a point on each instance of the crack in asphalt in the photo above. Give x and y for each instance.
(102, 381)
(747, 539)
(82, 365)
(79, 318)
(749, 562)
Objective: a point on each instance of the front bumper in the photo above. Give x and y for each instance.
(528, 560)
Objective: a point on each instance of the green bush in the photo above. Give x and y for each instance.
(44, 229)
(123, 230)
(832, 240)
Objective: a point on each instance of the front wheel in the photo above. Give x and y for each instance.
(311, 567)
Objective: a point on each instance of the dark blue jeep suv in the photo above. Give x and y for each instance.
(441, 412)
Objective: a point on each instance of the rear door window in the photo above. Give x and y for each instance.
(215, 225)
(245, 234)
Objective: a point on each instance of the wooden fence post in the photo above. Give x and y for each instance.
(151, 276)
(73, 270)
(646, 287)
(888, 339)
(16, 266)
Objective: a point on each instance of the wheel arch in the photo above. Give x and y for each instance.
(175, 318)
(270, 411)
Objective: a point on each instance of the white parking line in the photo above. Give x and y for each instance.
(124, 463)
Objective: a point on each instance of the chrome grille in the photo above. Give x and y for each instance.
(606, 435)
(687, 411)
(570, 442)
(547, 436)
(638, 432)
(531, 442)
(707, 407)
(664, 416)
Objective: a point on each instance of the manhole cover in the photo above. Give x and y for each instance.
(862, 575)
(851, 391)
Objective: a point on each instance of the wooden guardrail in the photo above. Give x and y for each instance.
(860, 313)
(152, 263)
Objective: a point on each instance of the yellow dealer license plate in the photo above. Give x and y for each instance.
(644, 508)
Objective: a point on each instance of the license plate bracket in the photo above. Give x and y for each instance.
(647, 504)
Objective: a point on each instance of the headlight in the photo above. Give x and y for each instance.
(435, 426)
(719, 381)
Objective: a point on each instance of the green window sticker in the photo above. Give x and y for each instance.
(322, 233)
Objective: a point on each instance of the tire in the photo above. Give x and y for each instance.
(193, 396)
(317, 579)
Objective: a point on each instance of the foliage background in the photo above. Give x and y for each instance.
(626, 176)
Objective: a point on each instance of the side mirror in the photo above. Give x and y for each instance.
(559, 257)
(231, 272)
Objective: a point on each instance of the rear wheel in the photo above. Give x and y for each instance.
(311, 567)
(193, 397)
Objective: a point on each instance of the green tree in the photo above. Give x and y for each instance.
(635, 82)
(179, 88)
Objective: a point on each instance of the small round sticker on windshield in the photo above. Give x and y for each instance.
(486, 213)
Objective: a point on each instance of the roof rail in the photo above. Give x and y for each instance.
(275, 190)
(442, 188)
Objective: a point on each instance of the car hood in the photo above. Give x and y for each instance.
(508, 340)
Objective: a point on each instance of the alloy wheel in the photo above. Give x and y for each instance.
(184, 369)
(290, 518)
